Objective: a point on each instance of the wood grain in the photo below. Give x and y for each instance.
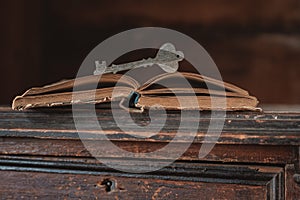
(239, 127)
(42, 156)
(31, 182)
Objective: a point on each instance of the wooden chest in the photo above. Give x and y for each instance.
(42, 157)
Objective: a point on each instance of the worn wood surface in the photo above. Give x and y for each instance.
(42, 156)
(40, 179)
(239, 127)
(69, 186)
(292, 187)
(221, 153)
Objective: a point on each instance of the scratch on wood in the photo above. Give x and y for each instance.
(156, 193)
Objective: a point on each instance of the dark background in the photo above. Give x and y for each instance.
(255, 43)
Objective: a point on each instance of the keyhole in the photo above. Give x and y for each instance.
(109, 185)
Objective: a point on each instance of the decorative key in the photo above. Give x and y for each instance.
(167, 58)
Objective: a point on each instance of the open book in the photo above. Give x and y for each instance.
(129, 92)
